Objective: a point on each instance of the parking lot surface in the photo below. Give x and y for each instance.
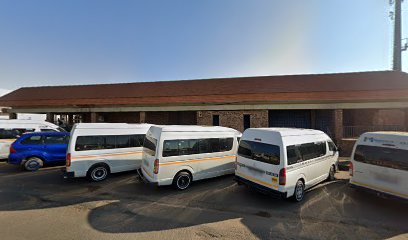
(42, 205)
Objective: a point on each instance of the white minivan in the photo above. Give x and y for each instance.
(12, 129)
(97, 149)
(379, 162)
(285, 162)
(178, 155)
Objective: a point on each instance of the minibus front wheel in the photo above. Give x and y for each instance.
(182, 180)
(98, 172)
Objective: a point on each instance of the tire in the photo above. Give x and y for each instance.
(33, 164)
(299, 193)
(98, 173)
(182, 180)
(331, 176)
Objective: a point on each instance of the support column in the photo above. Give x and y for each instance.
(406, 119)
(94, 117)
(12, 115)
(142, 117)
(50, 117)
(313, 118)
(338, 125)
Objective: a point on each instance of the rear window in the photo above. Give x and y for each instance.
(149, 146)
(382, 156)
(261, 152)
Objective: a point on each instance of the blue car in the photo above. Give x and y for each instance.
(33, 150)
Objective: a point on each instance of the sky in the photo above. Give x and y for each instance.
(49, 42)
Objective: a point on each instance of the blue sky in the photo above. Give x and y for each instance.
(49, 42)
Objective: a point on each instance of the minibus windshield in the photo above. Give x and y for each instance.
(382, 156)
(261, 152)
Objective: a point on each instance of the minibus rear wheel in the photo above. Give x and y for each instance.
(98, 172)
(299, 193)
(182, 180)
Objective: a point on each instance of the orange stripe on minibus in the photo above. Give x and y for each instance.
(197, 160)
(106, 155)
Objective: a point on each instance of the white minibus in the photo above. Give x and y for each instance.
(97, 149)
(178, 155)
(379, 162)
(12, 129)
(285, 162)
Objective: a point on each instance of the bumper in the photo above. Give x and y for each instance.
(66, 174)
(378, 192)
(144, 179)
(260, 188)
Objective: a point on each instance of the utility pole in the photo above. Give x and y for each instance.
(397, 64)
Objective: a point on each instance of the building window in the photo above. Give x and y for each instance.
(247, 121)
(216, 120)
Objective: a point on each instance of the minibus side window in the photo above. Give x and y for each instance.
(226, 144)
(381, 156)
(204, 146)
(170, 148)
(110, 142)
(180, 147)
(136, 140)
(293, 154)
(214, 144)
(313, 150)
(84, 143)
(8, 133)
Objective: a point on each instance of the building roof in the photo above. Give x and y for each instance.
(194, 128)
(143, 126)
(342, 87)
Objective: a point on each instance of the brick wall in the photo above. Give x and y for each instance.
(234, 119)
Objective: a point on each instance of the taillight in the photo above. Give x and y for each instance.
(282, 177)
(68, 160)
(156, 166)
(12, 150)
(351, 169)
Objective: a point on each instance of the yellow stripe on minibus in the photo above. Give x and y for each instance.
(197, 160)
(7, 140)
(379, 189)
(106, 155)
(257, 181)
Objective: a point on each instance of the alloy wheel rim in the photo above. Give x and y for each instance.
(299, 192)
(183, 182)
(99, 173)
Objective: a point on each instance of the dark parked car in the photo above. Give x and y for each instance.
(33, 150)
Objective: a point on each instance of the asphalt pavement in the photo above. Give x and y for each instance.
(43, 205)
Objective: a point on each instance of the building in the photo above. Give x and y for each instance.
(343, 105)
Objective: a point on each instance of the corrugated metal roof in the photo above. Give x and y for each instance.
(381, 85)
